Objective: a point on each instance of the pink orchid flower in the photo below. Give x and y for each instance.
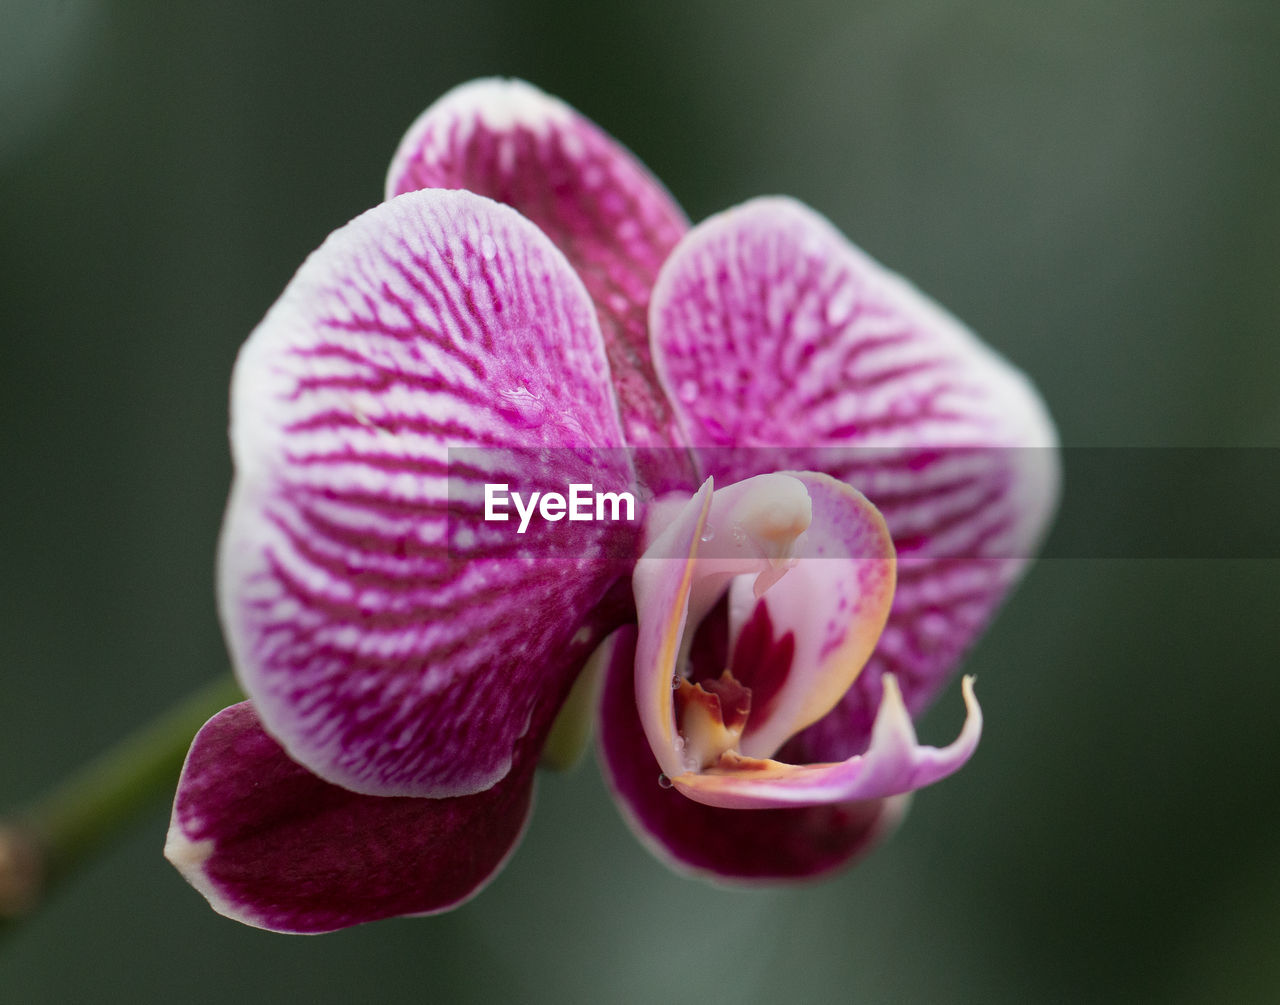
(530, 309)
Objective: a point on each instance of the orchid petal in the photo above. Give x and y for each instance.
(760, 846)
(613, 220)
(391, 639)
(784, 346)
(271, 845)
(894, 764)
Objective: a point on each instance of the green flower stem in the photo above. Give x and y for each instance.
(46, 839)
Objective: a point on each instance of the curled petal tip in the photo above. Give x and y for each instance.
(894, 764)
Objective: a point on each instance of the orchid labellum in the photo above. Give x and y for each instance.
(837, 483)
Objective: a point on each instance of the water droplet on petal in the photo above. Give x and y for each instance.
(688, 392)
(487, 248)
(675, 682)
(665, 782)
(708, 535)
(521, 407)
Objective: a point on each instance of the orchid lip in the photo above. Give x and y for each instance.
(893, 765)
(793, 551)
(804, 567)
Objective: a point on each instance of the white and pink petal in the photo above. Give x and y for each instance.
(784, 346)
(393, 640)
(271, 845)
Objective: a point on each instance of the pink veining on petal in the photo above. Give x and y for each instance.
(784, 346)
(759, 846)
(613, 220)
(271, 845)
(394, 641)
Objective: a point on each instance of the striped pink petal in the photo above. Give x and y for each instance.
(271, 845)
(613, 220)
(784, 346)
(393, 640)
(756, 846)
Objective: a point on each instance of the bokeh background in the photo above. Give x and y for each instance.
(1094, 186)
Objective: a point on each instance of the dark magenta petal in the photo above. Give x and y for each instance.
(613, 220)
(784, 346)
(271, 845)
(392, 639)
(724, 844)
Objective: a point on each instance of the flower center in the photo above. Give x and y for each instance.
(711, 717)
(729, 662)
(751, 534)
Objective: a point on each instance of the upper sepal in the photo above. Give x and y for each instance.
(613, 220)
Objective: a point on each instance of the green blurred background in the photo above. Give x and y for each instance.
(1093, 186)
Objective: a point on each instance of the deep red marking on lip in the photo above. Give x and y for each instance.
(709, 651)
(762, 662)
